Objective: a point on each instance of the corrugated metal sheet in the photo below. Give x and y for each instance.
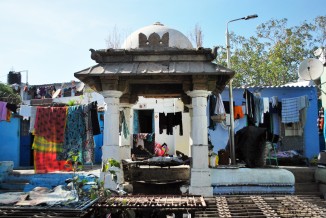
(302, 84)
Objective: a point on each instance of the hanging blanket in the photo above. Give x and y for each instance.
(50, 123)
(49, 138)
(88, 148)
(75, 136)
(41, 144)
(45, 162)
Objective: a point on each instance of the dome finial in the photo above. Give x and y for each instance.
(158, 23)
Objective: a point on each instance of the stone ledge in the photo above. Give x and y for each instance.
(250, 176)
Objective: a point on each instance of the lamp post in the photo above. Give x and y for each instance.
(228, 58)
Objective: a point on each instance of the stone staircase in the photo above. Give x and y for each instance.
(11, 184)
(305, 183)
(25, 180)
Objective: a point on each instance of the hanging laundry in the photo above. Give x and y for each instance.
(75, 132)
(238, 112)
(274, 101)
(320, 120)
(49, 138)
(218, 111)
(169, 121)
(8, 117)
(291, 108)
(123, 127)
(162, 122)
(50, 123)
(25, 111)
(88, 147)
(3, 111)
(259, 109)
(212, 108)
(150, 137)
(250, 106)
(178, 122)
(32, 120)
(45, 162)
(219, 107)
(95, 122)
(266, 105)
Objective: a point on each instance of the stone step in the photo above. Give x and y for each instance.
(302, 174)
(10, 185)
(306, 187)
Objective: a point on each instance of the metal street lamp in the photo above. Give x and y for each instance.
(228, 58)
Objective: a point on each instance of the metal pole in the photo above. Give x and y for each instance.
(231, 139)
(228, 57)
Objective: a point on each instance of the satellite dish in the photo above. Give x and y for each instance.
(318, 52)
(311, 69)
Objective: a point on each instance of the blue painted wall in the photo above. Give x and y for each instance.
(219, 136)
(10, 141)
(98, 139)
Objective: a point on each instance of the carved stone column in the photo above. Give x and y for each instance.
(189, 106)
(200, 180)
(111, 148)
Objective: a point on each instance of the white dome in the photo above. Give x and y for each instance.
(176, 38)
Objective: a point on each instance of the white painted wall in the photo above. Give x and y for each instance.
(167, 105)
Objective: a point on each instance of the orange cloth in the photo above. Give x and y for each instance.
(8, 117)
(238, 113)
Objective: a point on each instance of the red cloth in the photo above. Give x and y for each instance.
(45, 162)
(50, 123)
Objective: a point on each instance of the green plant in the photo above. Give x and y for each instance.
(71, 102)
(98, 189)
(77, 182)
(314, 161)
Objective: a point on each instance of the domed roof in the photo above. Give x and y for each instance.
(170, 37)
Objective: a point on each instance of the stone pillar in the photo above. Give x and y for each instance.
(126, 142)
(111, 148)
(189, 106)
(200, 178)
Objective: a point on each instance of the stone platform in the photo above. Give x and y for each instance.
(252, 181)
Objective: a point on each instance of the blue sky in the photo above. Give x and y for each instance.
(51, 39)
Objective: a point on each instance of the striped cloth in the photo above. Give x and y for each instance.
(291, 108)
